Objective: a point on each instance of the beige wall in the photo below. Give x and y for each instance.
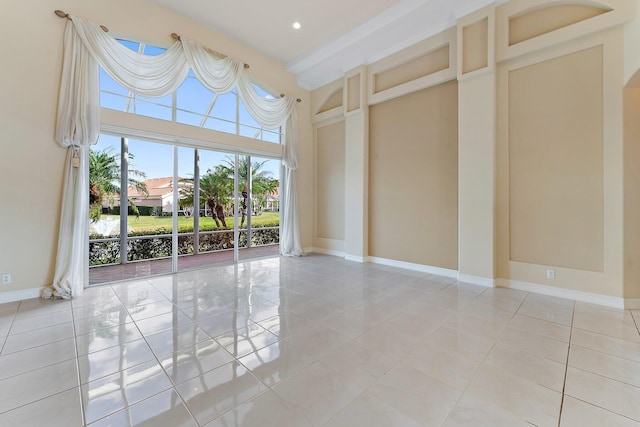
(31, 163)
(556, 199)
(413, 178)
(632, 192)
(573, 223)
(330, 196)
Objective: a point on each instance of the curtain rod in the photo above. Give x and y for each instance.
(63, 14)
(175, 36)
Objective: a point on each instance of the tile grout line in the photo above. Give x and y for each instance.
(75, 349)
(144, 337)
(566, 366)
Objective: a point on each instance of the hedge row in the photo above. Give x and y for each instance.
(102, 253)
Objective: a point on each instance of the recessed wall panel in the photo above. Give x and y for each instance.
(413, 177)
(330, 167)
(556, 197)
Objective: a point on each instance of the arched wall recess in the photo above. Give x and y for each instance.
(539, 21)
(334, 100)
(525, 26)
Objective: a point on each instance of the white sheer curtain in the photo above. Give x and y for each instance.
(78, 124)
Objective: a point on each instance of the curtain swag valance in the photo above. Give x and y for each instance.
(86, 46)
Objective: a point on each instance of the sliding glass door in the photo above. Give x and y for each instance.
(161, 208)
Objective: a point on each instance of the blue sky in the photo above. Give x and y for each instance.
(155, 159)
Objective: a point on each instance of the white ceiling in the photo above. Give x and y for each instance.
(336, 35)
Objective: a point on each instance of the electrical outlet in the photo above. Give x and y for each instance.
(551, 274)
(6, 279)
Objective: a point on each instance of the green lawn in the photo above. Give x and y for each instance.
(153, 223)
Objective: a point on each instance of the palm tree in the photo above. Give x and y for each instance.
(215, 192)
(104, 181)
(262, 182)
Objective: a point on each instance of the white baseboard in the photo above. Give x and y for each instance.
(20, 295)
(356, 258)
(325, 251)
(307, 251)
(415, 267)
(477, 280)
(588, 297)
(632, 303)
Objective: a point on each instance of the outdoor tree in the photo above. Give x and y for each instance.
(262, 180)
(215, 192)
(104, 181)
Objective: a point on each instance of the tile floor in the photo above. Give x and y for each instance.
(316, 341)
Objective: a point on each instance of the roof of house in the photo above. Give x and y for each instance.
(157, 187)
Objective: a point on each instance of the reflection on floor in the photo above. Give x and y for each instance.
(154, 267)
(316, 341)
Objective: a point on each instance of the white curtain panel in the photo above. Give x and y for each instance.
(78, 124)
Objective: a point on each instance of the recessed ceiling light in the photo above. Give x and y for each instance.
(296, 25)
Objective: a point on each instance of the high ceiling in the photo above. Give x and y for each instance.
(335, 35)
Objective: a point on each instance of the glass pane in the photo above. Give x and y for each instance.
(113, 102)
(220, 125)
(193, 96)
(150, 211)
(263, 207)
(215, 236)
(245, 117)
(188, 118)
(186, 211)
(110, 85)
(104, 225)
(154, 50)
(225, 107)
(134, 46)
(152, 110)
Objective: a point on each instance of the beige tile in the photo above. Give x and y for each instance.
(349, 324)
(487, 329)
(39, 306)
(106, 338)
(246, 340)
(618, 324)
(359, 363)
(416, 395)
(265, 410)
(176, 339)
(606, 344)
(102, 322)
(164, 409)
(27, 324)
(366, 411)
(38, 384)
(616, 368)
(576, 413)
(536, 344)
(210, 395)
(472, 412)
(459, 342)
(37, 337)
(451, 368)
(193, 361)
(541, 327)
(277, 362)
(614, 396)
(523, 364)
(113, 359)
(317, 391)
(548, 308)
(163, 322)
(529, 401)
(317, 340)
(63, 409)
(35, 358)
(127, 387)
